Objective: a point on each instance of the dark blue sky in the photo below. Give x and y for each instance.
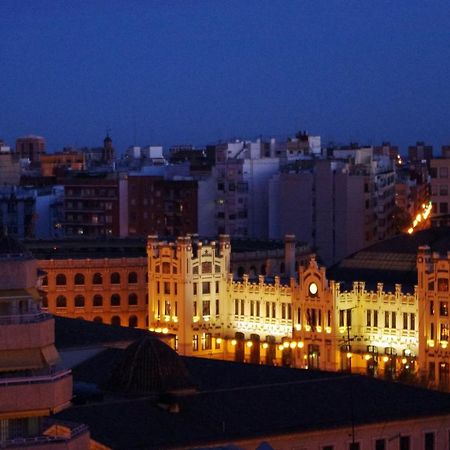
(197, 71)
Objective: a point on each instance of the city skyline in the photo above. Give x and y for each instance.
(191, 72)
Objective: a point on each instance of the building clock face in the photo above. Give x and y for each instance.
(313, 288)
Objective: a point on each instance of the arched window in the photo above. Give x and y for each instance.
(98, 319)
(44, 301)
(60, 279)
(263, 269)
(115, 320)
(282, 267)
(146, 321)
(97, 300)
(61, 301)
(79, 279)
(146, 277)
(132, 299)
(132, 277)
(240, 272)
(79, 301)
(97, 278)
(115, 278)
(115, 300)
(253, 271)
(132, 322)
(146, 299)
(45, 281)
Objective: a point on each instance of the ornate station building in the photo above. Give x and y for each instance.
(389, 325)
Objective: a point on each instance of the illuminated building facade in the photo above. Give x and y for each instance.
(433, 288)
(102, 281)
(306, 322)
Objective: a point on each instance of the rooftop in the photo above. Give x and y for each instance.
(391, 261)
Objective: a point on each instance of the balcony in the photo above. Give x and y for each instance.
(38, 332)
(44, 393)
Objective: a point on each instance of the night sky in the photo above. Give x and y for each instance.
(173, 72)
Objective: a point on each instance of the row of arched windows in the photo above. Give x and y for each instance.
(97, 300)
(97, 278)
(115, 320)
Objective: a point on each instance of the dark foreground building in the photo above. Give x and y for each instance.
(134, 392)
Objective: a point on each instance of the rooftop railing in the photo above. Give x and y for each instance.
(24, 318)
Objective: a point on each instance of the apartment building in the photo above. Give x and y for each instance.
(33, 385)
(341, 204)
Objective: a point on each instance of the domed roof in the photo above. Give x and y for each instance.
(149, 365)
(12, 248)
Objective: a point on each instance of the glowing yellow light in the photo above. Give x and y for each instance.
(293, 344)
(341, 329)
(415, 223)
(367, 357)
(195, 319)
(430, 343)
(407, 352)
(151, 329)
(304, 356)
(444, 344)
(286, 344)
(166, 318)
(265, 345)
(219, 340)
(424, 206)
(298, 327)
(249, 344)
(308, 327)
(319, 329)
(281, 347)
(404, 361)
(385, 359)
(419, 217)
(165, 330)
(206, 318)
(410, 230)
(328, 330)
(300, 344)
(175, 319)
(158, 330)
(349, 355)
(233, 342)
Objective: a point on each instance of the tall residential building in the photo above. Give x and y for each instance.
(92, 205)
(30, 147)
(242, 172)
(9, 166)
(32, 385)
(18, 211)
(168, 207)
(342, 204)
(440, 190)
(420, 152)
